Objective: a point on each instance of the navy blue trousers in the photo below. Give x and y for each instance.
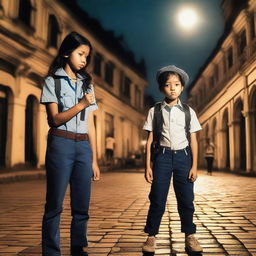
(167, 163)
(67, 162)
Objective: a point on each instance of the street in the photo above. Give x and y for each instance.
(225, 217)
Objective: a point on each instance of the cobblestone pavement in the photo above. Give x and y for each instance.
(225, 217)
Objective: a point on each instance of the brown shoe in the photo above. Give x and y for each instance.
(192, 245)
(149, 245)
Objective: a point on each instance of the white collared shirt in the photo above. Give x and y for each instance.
(173, 134)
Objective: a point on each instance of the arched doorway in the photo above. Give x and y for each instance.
(214, 139)
(30, 131)
(253, 129)
(200, 138)
(214, 131)
(3, 123)
(239, 137)
(225, 141)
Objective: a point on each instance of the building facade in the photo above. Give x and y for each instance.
(224, 92)
(31, 31)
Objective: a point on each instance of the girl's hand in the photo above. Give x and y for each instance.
(96, 171)
(192, 174)
(87, 100)
(149, 175)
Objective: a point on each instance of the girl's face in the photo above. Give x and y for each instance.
(78, 58)
(173, 87)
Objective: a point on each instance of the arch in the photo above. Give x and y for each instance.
(30, 130)
(225, 141)
(214, 138)
(214, 130)
(25, 12)
(252, 104)
(252, 111)
(200, 138)
(5, 94)
(53, 31)
(239, 136)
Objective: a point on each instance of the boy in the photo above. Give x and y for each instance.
(171, 128)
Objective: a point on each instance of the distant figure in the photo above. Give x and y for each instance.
(209, 155)
(110, 145)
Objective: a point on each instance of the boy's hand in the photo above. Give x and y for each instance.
(192, 174)
(96, 171)
(149, 175)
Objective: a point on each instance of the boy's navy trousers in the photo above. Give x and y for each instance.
(67, 161)
(167, 163)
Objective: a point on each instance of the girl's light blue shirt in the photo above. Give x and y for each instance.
(70, 94)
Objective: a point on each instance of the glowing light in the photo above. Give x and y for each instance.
(187, 18)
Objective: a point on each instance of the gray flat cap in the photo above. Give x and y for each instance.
(172, 68)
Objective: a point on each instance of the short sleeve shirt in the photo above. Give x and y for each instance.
(70, 94)
(174, 133)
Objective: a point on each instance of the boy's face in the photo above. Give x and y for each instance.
(173, 87)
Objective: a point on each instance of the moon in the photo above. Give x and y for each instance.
(187, 18)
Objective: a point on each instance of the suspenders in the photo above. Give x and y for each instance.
(187, 120)
(158, 126)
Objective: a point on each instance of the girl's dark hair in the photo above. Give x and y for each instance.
(164, 77)
(68, 45)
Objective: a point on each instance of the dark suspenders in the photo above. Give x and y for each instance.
(187, 120)
(158, 126)
(57, 92)
(82, 115)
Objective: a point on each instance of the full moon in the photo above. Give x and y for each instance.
(187, 18)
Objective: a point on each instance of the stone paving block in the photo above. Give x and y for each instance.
(226, 222)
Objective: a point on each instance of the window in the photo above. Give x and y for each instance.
(230, 57)
(53, 31)
(109, 72)
(109, 125)
(97, 64)
(25, 10)
(125, 86)
(241, 42)
(137, 97)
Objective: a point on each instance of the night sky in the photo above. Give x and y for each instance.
(151, 31)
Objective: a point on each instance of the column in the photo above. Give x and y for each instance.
(16, 137)
(101, 130)
(42, 131)
(247, 126)
(231, 141)
(236, 144)
(222, 149)
(118, 137)
(248, 141)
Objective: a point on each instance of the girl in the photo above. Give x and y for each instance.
(71, 149)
